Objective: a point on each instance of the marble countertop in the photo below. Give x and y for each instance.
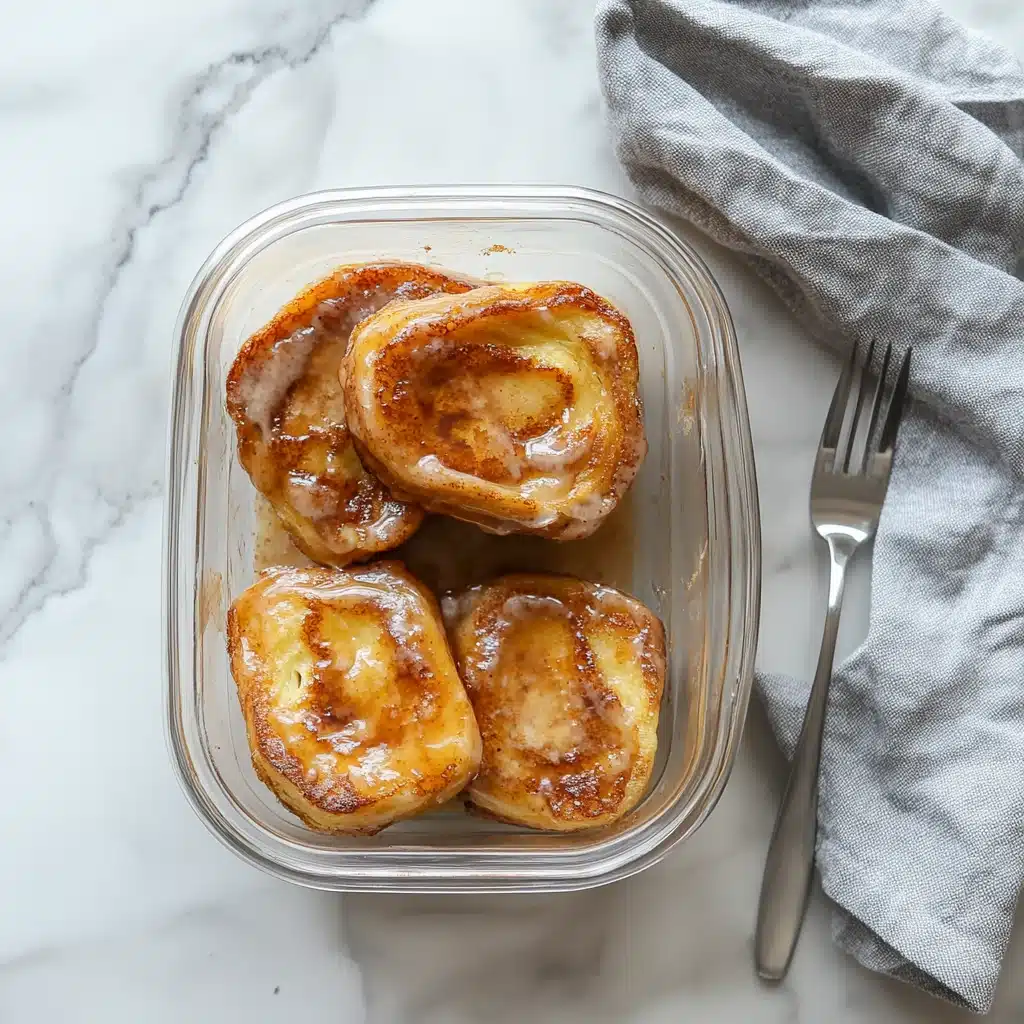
(134, 137)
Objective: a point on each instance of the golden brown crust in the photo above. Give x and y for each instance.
(566, 680)
(354, 710)
(284, 396)
(515, 407)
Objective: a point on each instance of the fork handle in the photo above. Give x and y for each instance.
(789, 866)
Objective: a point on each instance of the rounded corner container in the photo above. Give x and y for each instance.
(695, 533)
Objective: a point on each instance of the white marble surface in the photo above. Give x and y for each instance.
(132, 137)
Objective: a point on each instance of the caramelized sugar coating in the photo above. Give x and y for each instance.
(285, 398)
(355, 713)
(566, 679)
(515, 407)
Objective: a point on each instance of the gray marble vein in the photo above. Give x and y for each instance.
(209, 100)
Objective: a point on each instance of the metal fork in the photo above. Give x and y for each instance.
(851, 474)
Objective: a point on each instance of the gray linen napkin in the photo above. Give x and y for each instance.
(865, 157)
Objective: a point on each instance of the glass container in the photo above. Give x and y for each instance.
(686, 542)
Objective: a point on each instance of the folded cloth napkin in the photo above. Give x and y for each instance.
(865, 157)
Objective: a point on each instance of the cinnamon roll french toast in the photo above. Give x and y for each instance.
(515, 406)
(285, 398)
(566, 681)
(355, 713)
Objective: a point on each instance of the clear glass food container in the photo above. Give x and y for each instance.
(687, 542)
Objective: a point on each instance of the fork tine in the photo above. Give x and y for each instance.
(895, 411)
(837, 410)
(876, 406)
(858, 406)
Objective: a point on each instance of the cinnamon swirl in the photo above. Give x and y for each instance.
(355, 713)
(566, 680)
(515, 407)
(284, 396)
